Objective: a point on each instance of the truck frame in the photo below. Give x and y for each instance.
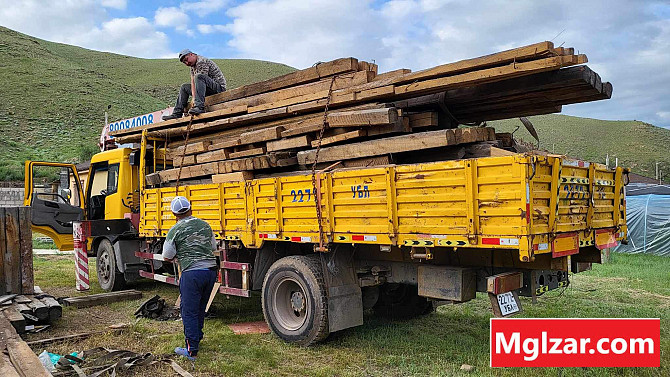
(398, 239)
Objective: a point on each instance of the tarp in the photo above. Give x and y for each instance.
(648, 225)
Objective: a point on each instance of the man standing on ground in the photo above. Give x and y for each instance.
(192, 241)
(206, 79)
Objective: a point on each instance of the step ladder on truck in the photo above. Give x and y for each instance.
(417, 236)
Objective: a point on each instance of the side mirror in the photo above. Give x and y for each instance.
(67, 193)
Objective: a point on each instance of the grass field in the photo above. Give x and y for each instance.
(434, 345)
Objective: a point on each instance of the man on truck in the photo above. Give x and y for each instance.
(191, 241)
(206, 79)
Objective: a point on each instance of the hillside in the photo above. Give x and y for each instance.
(54, 95)
(638, 145)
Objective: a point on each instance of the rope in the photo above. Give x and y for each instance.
(324, 125)
(183, 153)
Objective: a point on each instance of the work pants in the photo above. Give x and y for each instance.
(195, 286)
(204, 86)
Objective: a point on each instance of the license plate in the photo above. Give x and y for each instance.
(507, 303)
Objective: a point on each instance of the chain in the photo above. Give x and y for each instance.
(324, 125)
(183, 153)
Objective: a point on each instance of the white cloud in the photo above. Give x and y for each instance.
(205, 7)
(84, 23)
(209, 29)
(171, 17)
(116, 4)
(628, 42)
(128, 36)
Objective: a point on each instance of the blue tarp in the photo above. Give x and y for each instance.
(648, 225)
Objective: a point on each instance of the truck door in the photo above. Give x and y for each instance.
(53, 191)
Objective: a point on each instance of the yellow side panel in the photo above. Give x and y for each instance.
(431, 198)
(501, 196)
(360, 201)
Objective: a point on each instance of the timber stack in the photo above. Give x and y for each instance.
(345, 111)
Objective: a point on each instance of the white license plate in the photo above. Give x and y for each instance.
(507, 303)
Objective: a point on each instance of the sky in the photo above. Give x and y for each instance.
(627, 41)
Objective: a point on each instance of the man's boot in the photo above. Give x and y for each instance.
(174, 115)
(196, 110)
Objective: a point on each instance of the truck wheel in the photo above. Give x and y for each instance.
(401, 301)
(109, 277)
(294, 300)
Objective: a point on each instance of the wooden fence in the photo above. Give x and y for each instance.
(16, 251)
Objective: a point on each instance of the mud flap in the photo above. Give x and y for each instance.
(345, 300)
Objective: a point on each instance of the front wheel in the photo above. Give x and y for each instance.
(109, 277)
(294, 300)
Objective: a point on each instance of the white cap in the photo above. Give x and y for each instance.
(180, 205)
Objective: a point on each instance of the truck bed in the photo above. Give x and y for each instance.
(535, 204)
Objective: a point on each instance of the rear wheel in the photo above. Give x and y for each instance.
(109, 277)
(401, 301)
(294, 300)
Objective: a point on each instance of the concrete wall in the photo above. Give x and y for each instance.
(11, 197)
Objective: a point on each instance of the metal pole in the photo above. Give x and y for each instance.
(607, 161)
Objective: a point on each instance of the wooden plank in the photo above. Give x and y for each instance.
(264, 134)
(16, 319)
(102, 298)
(422, 120)
(363, 117)
(302, 141)
(40, 310)
(191, 148)
(249, 163)
(25, 361)
(55, 309)
(12, 251)
(498, 58)
(7, 298)
(21, 299)
(6, 367)
(486, 75)
(339, 82)
(189, 172)
(233, 142)
(171, 123)
(339, 138)
(392, 74)
(304, 126)
(216, 155)
(290, 79)
(233, 177)
(396, 144)
(248, 152)
(187, 160)
(4, 288)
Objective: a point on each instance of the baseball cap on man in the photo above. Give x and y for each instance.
(180, 205)
(183, 53)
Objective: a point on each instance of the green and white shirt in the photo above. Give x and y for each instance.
(192, 241)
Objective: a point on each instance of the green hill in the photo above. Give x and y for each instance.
(54, 97)
(636, 144)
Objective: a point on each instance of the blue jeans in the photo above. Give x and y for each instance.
(195, 287)
(204, 86)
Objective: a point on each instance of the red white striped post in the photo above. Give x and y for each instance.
(80, 257)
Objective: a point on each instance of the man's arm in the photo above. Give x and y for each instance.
(214, 243)
(169, 249)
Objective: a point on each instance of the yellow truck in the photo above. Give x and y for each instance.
(398, 239)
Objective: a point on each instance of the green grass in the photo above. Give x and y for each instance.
(54, 96)
(434, 345)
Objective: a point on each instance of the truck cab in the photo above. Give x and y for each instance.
(109, 203)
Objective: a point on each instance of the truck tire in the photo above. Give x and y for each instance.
(294, 300)
(401, 301)
(109, 277)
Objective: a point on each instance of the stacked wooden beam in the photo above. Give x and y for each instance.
(27, 311)
(277, 125)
